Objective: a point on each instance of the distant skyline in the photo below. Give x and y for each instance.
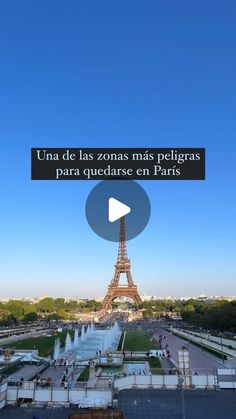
(145, 297)
(120, 74)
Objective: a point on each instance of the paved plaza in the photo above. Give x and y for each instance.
(26, 372)
(35, 413)
(167, 404)
(150, 404)
(56, 374)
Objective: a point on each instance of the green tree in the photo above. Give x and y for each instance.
(5, 317)
(16, 309)
(31, 317)
(71, 305)
(47, 305)
(59, 303)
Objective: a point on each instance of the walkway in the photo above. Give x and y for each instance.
(28, 335)
(27, 372)
(199, 360)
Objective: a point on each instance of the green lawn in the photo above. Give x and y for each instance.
(139, 341)
(44, 344)
(84, 376)
(120, 342)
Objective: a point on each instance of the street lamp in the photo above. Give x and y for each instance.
(181, 381)
(201, 339)
(222, 352)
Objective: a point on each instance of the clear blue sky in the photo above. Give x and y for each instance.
(117, 73)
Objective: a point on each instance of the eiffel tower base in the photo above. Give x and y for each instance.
(122, 265)
(121, 291)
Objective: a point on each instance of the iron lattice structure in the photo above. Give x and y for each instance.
(122, 265)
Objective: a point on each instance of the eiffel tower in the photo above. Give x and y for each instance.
(122, 266)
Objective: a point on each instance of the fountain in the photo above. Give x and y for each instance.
(92, 341)
(68, 346)
(88, 331)
(82, 336)
(95, 340)
(57, 346)
(76, 339)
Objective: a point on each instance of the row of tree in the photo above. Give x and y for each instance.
(15, 311)
(218, 314)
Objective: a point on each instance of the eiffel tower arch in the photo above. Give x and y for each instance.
(122, 265)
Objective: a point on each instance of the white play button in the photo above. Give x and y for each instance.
(117, 209)
(111, 200)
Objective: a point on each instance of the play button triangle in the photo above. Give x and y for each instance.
(116, 210)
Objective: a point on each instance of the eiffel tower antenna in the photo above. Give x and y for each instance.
(122, 266)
